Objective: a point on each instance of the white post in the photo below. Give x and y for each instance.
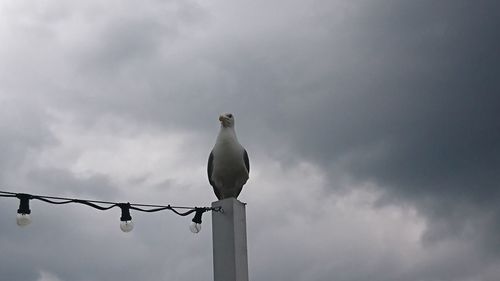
(229, 235)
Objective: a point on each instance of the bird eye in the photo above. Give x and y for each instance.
(230, 115)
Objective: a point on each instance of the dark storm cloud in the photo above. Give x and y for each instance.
(419, 115)
(408, 100)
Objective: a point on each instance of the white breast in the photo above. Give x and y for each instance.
(229, 170)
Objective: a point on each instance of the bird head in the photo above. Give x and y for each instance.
(227, 120)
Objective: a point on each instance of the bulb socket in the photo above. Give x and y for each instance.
(198, 215)
(24, 203)
(125, 207)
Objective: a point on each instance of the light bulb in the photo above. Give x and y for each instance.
(126, 226)
(195, 227)
(23, 219)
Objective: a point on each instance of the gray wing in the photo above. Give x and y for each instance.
(210, 168)
(247, 165)
(247, 162)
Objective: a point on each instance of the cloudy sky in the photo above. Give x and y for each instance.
(372, 128)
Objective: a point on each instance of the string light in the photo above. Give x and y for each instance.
(23, 213)
(126, 224)
(195, 226)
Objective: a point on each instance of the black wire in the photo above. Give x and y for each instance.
(84, 202)
(8, 193)
(95, 204)
(160, 206)
(75, 199)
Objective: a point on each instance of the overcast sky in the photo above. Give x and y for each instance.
(373, 130)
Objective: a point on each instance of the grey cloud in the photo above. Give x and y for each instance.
(55, 181)
(399, 94)
(402, 94)
(404, 97)
(22, 134)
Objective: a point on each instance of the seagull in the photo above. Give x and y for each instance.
(228, 165)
